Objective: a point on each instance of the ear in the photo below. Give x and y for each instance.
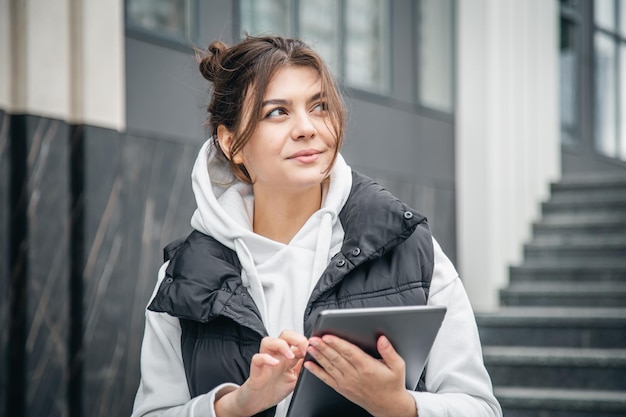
(225, 139)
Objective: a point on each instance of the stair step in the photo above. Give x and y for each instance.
(579, 240)
(556, 402)
(576, 263)
(584, 206)
(585, 327)
(598, 196)
(556, 273)
(591, 188)
(601, 369)
(585, 218)
(565, 294)
(536, 251)
(591, 181)
(601, 226)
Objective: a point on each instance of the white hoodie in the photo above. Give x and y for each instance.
(280, 279)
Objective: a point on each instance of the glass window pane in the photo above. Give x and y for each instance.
(568, 87)
(319, 27)
(436, 49)
(605, 111)
(265, 17)
(622, 17)
(367, 44)
(604, 13)
(169, 17)
(623, 101)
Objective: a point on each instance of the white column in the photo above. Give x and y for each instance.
(98, 95)
(64, 59)
(507, 132)
(5, 55)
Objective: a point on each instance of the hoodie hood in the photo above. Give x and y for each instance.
(225, 207)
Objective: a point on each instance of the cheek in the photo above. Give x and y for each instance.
(326, 131)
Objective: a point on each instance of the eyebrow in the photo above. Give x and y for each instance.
(281, 102)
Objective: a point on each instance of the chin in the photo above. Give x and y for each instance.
(307, 182)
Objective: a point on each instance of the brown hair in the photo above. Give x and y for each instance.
(246, 69)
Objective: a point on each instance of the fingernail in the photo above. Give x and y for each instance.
(384, 342)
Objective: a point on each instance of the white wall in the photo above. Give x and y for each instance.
(507, 130)
(63, 59)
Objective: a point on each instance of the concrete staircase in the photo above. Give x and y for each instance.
(557, 346)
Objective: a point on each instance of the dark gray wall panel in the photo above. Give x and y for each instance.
(404, 79)
(4, 253)
(165, 95)
(138, 198)
(48, 271)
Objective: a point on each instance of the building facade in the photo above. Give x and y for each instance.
(453, 106)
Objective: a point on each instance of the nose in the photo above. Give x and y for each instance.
(303, 128)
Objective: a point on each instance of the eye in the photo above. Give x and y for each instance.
(279, 111)
(322, 106)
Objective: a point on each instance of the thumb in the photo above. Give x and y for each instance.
(389, 354)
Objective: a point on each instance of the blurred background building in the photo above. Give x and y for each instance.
(504, 121)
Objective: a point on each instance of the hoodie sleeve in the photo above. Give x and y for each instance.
(457, 382)
(163, 387)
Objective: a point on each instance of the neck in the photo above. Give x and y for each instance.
(280, 215)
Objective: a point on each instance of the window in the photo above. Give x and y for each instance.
(606, 94)
(170, 19)
(436, 72)
(593, 92)
(609, 42)
(367, 45)
(354, 37)
(568, 67)
(319, 26)
(351, 35)
(266, 16)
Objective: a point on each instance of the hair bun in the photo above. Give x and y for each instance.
(209, 61)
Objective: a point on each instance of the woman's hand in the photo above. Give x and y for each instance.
(273, 375)
(377, 385)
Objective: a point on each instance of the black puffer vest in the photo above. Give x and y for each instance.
(386, 259)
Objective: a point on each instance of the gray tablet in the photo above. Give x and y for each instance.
(411, 331)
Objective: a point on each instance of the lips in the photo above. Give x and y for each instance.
(305, 156)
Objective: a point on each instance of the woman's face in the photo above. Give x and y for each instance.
(293, 145)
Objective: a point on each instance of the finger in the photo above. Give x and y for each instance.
(389, 355)
(348, 351)
(328, 358)
(276, 346)
(298, 366)
(295, 339)
(261, 359)
(319, 372)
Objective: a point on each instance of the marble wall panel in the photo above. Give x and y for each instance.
(4, 253)
(48, 267)
(99, 207)
(137, 199)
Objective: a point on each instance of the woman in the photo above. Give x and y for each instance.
(284, 229)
